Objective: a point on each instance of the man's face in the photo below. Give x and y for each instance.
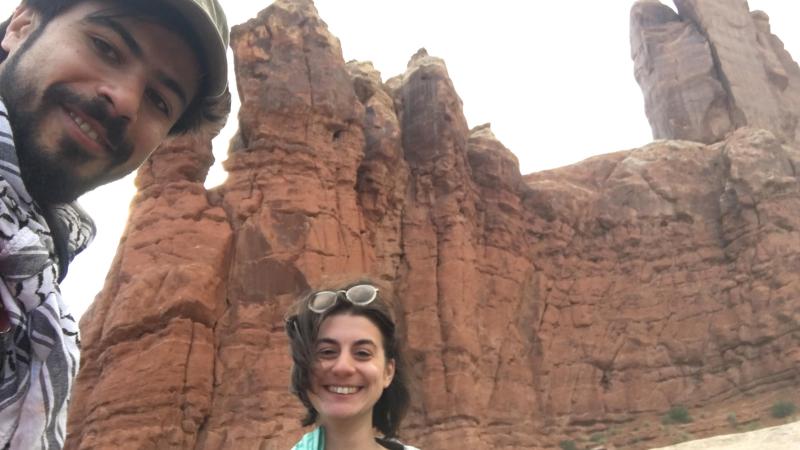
(91, 94)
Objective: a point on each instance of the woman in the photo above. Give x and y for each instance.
(348, 371)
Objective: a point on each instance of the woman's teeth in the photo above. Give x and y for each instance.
(84, 127)
(342, 389)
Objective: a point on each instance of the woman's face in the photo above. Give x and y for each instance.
(350, 370)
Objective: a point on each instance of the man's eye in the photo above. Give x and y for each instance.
(108, 52)
(158, 101)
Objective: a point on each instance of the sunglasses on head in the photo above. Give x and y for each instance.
(359, 295)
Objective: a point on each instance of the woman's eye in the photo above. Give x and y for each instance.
(105, 49)
(326, 353)
(363, 355)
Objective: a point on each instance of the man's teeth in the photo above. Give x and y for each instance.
(342, 389)
(84, 127)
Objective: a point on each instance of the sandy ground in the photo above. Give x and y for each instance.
(783, 437)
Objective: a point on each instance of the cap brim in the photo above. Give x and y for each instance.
(212, 43)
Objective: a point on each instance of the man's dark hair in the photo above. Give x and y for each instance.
(202, 108)
(302, 328)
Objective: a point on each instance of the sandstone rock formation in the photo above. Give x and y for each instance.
(784, 437)
(711, 68)
(580, 301)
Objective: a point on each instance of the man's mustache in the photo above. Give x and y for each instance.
(99, 110)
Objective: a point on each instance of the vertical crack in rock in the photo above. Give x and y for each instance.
(187, 424)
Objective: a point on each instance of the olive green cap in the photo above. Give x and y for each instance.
(208, 21)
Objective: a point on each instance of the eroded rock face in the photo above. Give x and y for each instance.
(537, 309)
(711, 68)
(147, 363)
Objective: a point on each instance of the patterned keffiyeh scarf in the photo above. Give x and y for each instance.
(39, 358)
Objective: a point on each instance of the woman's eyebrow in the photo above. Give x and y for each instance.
(325, 340)
(365, 342)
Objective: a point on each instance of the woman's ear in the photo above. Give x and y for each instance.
(24, 20)
(388, 374)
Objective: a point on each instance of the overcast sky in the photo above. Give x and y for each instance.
(555, 80)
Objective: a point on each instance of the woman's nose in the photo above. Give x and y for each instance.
(344, 364)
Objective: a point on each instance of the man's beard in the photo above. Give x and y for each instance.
(49, 174)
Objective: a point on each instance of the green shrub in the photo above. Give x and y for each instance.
(732, 420)
(783, 409)
(597, 438)
(567, 445)
(677, 414)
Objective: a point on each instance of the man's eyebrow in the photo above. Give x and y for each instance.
(117, 27)
(136, 49)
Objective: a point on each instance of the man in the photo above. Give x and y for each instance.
(88, 89)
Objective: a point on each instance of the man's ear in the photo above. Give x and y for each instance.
(24, 20)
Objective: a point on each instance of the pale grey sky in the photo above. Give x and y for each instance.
(555, 79)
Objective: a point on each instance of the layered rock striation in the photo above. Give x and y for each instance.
(710, 68)
(535, 309)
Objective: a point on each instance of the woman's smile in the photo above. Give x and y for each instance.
(343, 390)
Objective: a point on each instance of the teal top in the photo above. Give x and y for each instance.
(315, 440)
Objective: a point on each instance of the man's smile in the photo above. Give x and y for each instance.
(85, 127)
(92, 131)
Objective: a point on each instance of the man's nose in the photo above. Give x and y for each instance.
(124, 95)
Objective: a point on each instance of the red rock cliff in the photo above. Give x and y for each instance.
(712, 67)
(587, 299)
